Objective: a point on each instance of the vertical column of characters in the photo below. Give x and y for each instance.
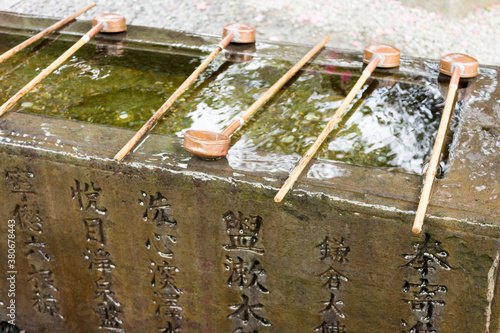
(246, 274)
(162, 238)
(422, 293)
(93, 219)
(27, 220)
(332, 254)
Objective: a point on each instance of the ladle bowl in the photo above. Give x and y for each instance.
(210, 145)
(468, 65)
(233, 32)
(112, 22)
(206, 144)
(243, 33)
(390, 56)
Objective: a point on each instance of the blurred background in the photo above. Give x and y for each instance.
(419, 28)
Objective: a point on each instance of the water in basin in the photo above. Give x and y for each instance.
(393, 128)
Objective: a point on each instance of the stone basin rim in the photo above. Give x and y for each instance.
(408, 66)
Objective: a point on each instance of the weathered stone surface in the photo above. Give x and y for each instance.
(129, 246)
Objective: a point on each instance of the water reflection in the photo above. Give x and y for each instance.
(394, 126)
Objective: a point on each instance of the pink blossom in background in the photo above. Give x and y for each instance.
(464, 43)
(389, 31)
(330, 69)
(303, 19)
(346, 76)
(311, 18)
(410, 19)
(333, 55)
(259, 18)
(201, 7)
(316, 18)
(475, 32)
(439, 15)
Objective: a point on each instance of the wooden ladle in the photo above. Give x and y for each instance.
(44, 33)
(211, 145)
(101, 23)
(457, 66)
(235, 33)
(379, 55)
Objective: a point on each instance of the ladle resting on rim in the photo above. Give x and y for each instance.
(211, 145)
(380, 55)
(45, 32)
(101, 23)
(235, 33)
(457, 66)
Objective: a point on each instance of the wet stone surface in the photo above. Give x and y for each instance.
(165, 242)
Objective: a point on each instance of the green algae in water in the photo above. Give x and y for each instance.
(93, 86)
(394, 127)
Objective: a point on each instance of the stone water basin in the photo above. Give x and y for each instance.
(165, 242)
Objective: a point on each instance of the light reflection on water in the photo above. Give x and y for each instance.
(394, 126)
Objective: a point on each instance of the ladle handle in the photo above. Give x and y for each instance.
(436, 152)
(235, 124)
(45, 32)
(147, 126)
(335, 118)
(92, 32)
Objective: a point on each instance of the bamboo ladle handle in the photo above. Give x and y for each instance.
(436, 152)
(44, 33)
(147, 126)
(235, 124)
(335, 118)
(92, 32)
